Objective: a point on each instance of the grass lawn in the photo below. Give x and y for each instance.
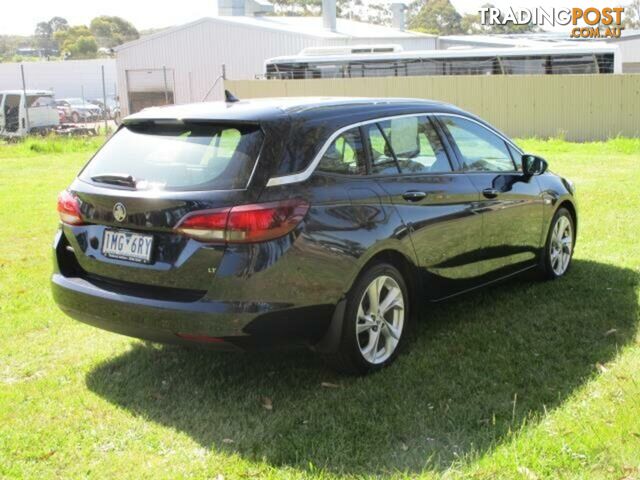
(521, 380)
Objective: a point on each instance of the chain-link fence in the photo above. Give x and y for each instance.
(79, 96)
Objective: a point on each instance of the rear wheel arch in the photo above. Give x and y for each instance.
(399, 260)
(330, 341)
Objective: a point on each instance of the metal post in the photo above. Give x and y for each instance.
(83, 120)
(224, 79)
(26, 101)
(166, 87)
(104, 103)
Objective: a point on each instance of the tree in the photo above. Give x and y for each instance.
(77, 42)
(437, 17)
(302, 8)
(379, 14)
(45, 30)
(9, 44)
(471, 24)
(44, 35)
(351, 9)
(58, 23)
(632, 15)
(113, 31)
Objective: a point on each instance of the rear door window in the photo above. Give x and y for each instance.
(180, 157)
(408, 145)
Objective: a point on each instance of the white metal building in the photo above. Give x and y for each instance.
(68, 78)
(181, 64)
(629, 44)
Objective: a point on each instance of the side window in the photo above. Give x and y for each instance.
(408, 145)
(481, 150)
(345, 155)
(517, 157)
(382, 160)
(35, 101)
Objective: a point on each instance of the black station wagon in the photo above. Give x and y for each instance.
(317, 221)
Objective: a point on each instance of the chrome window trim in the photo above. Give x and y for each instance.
(307, 172)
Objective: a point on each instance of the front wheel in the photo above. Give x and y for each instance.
(558, 250)
(375, 323)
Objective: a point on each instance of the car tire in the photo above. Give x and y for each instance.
(558, 249)
(371, 338)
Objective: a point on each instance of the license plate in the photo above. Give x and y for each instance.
(127, 246)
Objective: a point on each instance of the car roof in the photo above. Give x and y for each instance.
(274, 109)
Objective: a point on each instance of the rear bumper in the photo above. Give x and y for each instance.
(237, 325)
(279, 292)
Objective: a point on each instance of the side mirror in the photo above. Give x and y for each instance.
(533, 165)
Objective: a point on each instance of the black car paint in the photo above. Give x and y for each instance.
(293, 288)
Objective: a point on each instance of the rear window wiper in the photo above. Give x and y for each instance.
(116, 179)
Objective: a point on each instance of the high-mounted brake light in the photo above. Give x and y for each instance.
(69, 208)
(245, 223)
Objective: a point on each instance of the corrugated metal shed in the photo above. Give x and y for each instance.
(192, 55)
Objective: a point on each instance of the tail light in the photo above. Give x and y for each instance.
(245, 223)
(69, 208)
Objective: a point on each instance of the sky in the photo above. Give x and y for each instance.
(22, 19)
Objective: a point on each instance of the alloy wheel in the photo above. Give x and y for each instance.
(561, 245)
(380, 319)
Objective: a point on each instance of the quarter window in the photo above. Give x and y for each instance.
(481, 150)
(409, 145)
(345, 155)
(517, 157)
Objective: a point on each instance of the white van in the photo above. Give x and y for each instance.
(43, 114)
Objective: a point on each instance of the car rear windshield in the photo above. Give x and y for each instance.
(179, 157)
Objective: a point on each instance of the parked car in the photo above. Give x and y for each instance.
(112, 107)
(320, 221)
(15, 121)
(77, 110)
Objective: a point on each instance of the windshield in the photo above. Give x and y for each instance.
(75, 101)
(184, 157)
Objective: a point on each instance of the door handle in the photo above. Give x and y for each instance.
(413, 196)
(490, 192)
